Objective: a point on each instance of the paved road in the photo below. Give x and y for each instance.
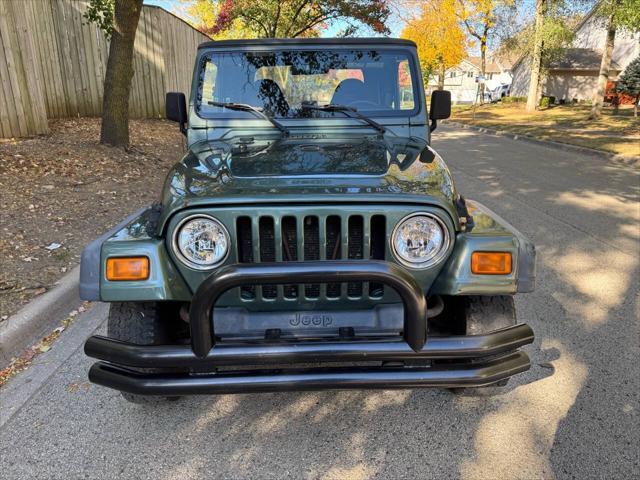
(574, 415)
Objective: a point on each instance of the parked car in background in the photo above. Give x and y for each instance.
(500, 92)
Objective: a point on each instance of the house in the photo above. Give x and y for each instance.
(462, 80)
(574, 76)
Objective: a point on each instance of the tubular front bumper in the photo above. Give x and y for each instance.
(472, 361)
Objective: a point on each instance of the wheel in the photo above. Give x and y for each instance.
(143, 323)
(484, 314)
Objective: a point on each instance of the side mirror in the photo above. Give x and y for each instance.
(176, 109)
(440, 107)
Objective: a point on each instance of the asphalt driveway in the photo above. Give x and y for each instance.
(575, 414)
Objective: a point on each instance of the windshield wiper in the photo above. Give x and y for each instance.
(245, 107)
(348, 111)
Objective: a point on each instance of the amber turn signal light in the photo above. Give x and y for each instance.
(127, 268)
(491, 263)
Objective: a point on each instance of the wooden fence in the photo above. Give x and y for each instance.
(53, 62)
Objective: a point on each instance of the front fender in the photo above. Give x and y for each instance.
(489, 233)
(131, 237)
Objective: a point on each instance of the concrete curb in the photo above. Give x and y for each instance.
(38, 317)
(20, 389)
(632, 161)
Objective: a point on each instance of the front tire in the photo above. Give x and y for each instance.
(484, 314)
(142, 323)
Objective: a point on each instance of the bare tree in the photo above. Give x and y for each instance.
(611, 11)
(605, 65)
(117, 83)
(533, 96)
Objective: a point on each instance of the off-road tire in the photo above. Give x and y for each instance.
(143, 323)
(483, 315)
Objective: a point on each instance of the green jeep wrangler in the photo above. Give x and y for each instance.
(310, 238)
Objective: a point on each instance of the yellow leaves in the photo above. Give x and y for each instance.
(205, 14)
(436, 32)
(480, 16)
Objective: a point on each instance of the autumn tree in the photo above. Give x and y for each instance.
(480, 18)
(119, 20)
(295, 18)
(617, 14)
(203, 15)
(440, 40)
(545, 41)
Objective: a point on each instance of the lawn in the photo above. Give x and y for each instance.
(618, 134)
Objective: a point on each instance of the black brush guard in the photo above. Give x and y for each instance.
(472, 361)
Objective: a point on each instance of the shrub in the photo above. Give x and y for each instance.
(545, 102)
(629, 83)
(514, 99)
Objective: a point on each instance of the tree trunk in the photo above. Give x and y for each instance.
(483, 63)
(117, 82)
(605, 64)
(441, 74)
(536, 61)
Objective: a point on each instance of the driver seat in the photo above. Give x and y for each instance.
(348, 91)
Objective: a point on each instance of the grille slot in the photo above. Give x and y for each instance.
(333, 249)
(267, 251)
(245, 252)
(311, 251)
(378, 242)
(311, 238)
(355, 249)
(290, 250)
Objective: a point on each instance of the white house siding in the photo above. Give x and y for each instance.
(592, 34)
(461, 82)
(521, 77)
(571, 84)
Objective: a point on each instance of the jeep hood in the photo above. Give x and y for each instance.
(309, 170)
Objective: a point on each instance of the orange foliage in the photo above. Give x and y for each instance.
(437, 33)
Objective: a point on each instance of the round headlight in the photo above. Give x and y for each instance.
(201, 242)
(420, 240)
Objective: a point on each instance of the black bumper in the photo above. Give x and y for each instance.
(467, 360)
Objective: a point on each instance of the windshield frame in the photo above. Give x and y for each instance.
(206, 54)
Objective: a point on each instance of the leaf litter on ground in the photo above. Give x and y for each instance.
(61, 190)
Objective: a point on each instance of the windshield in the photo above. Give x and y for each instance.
(286, 83)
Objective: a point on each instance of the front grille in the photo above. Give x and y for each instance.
(311, 237)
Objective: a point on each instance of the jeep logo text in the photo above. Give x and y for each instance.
(311, 320)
